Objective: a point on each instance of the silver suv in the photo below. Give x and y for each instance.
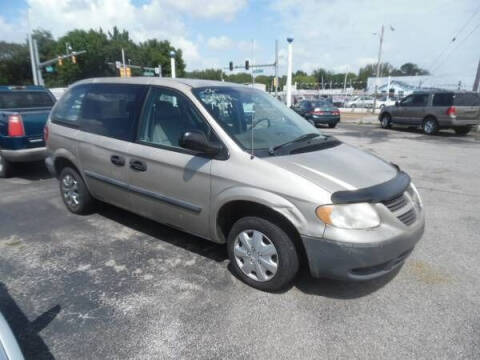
(233, 165)
(435, 110)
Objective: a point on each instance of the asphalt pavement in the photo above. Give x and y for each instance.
(113, 285)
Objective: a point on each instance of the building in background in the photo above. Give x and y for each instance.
(401, 86)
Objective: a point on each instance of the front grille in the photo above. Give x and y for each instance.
(409, 217)
(396, 203)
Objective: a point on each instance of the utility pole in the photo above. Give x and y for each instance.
(172, 63)
(32, 55)
(378, 68)
(275, 80)
(477, 78)
(37, 62)
(345, 82)
(289, 73)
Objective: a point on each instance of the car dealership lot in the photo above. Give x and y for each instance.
(114, 285)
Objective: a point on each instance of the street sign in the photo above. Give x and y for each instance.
(148, 73)
(257, 71)
(49, 69)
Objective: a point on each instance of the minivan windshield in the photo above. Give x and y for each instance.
(238, 109)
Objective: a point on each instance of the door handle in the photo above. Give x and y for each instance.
(138, 165)
(117, 160)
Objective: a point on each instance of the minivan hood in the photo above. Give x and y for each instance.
(342, 167)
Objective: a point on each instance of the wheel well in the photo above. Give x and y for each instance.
(61, 163)
(429, 117)
(235, 210)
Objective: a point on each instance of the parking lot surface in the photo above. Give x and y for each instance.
(113, 285)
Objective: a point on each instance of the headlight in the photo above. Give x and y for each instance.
(417, 200)
(349, 216)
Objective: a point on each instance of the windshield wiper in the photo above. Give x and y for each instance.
(303, 137)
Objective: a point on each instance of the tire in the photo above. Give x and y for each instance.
(332, 125)
(74, 192)
(5, 167)
(277, 266)
(353, 106)
(430, 126)
(464, 130)
(386, 121)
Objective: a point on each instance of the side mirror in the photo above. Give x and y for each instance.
(197, 141)
(397, 103)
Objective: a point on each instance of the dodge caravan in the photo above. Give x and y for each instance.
(233, 165)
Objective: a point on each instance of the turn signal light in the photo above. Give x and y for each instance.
(15, 126)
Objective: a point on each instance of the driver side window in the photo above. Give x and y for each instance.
(166, 117)
(407, 101)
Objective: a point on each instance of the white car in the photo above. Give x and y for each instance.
(382, 102)
(360, 102)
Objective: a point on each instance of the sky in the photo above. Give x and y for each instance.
(338, 35)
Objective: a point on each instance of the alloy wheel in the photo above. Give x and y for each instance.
(256, 255)
(70, 191)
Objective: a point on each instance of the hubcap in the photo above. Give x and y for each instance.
(428, 127)
(70, 191)
(385, 121)
(256, 255)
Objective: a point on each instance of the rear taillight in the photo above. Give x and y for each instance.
(15, 126)
(451, 111)
(45, 133)
(335, 112)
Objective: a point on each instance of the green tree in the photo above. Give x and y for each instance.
(411, 69)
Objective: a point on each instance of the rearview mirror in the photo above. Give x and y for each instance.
(197, 141)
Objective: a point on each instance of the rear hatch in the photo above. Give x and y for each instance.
(467, 106)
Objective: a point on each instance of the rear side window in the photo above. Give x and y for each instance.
(467, 99)
(112, 110)
(443, 99)
(69, 106)
(24, 99)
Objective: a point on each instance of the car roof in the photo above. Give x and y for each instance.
(144, 80)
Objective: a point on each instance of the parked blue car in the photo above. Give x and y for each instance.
(23, 113)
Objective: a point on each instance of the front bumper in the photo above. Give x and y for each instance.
(25, 155)
(361, 254)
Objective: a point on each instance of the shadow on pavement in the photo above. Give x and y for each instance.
(211, 250)
(32, 171)
(337, 289)
(25, 331)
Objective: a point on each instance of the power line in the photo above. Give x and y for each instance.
(455, 48)
(454, 38)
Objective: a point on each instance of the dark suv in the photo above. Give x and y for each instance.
(435, 110)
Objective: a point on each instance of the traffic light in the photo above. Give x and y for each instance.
(74, 59)
(230, 65)
(60, 61)
(247, 65)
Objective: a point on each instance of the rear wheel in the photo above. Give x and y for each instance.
(386, 121)
(262, 254)
(430, 126)
(5, 167)
(464, 130)
(74, 192)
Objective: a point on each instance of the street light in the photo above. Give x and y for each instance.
(289, 72)
(378, 63)
(172, 63)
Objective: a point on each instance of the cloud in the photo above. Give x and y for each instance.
(225, 9)
(161, 19)
(343, 29)
(219, 42)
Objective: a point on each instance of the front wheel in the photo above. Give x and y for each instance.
(464, 130)
(262, 254)
(5, 167)
(74, 192)
(430, 126)
(386, 121)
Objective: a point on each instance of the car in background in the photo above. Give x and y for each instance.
(435, 110)
(9, 349)
(23, 113)
(319, 112)
(360, 102)
(384, 101)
